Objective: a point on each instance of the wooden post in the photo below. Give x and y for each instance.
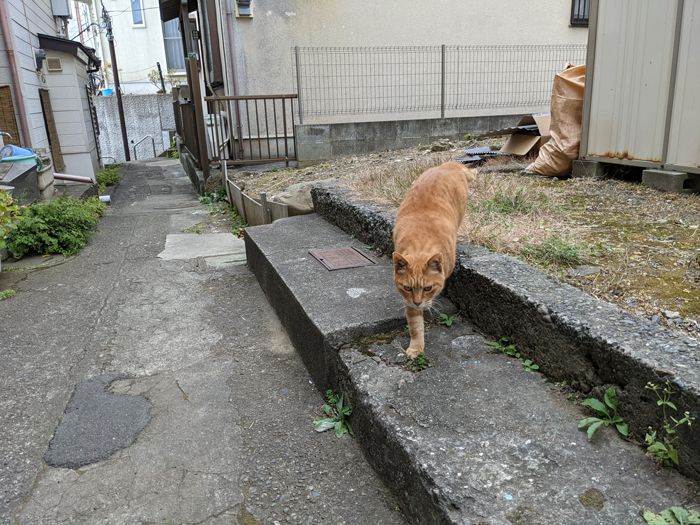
(265, 210)
(197, 102)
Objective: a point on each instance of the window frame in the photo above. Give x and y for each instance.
(179, 40)
(141, 9)
(580, 17)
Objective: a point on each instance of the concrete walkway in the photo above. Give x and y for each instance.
(117, 339)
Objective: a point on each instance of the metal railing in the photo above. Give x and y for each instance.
(153, 142)
(379, 80)
(251, 129)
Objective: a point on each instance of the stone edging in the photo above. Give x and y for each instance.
(574, 337)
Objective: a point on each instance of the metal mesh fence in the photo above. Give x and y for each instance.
(365, 80)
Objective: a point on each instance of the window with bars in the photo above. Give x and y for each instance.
(580, 10)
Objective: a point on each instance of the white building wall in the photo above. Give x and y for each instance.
(28, 19)
(138, 48)
(263, 43)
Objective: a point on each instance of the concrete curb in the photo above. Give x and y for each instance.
(574, 337)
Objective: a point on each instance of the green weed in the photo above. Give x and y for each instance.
(6, 294)
(553, 251)
(446, 320)
(503, 346)
(9, 216)
(673, 516)
(605, 417)
(107, 176)
(337, 416)
(213, 197)
(530, 366)
(419, 363)
(665, 450)
(512, 202)
(62, 225)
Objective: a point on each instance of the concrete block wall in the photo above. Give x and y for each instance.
(144, 114)
(320, 142)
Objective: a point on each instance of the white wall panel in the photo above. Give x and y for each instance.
(684, 138)
(631, 73)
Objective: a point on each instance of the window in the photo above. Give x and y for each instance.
(172, 38)
(579, 12)
(137, 13)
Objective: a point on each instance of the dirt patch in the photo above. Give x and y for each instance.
(615, 239)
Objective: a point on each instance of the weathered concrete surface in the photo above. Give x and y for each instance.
(574, 337)
(230, 438)
(675, 181)
(477, 439)
(187, 246)
(96, 424)
(451, 442)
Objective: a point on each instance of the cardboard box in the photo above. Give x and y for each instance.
(527, 136)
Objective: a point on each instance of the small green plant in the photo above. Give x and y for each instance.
(513, 202)
(8, 216)
(337, 416)
(274, 168)
(370, 247)
(6, 294)
(673, 516)
(503, 346)
(446, 320)
(213, 197)
(553, 251)
(468, 136)
(107, 176)
(664, 449)
(573, 398)
(530, 366)
(61, 225)
(604, 415)
(419, 363)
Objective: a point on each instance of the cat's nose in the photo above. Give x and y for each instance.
(417, 303)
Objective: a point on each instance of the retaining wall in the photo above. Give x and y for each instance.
(144, 115)
(319, 142)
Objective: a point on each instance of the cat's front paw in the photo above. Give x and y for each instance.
(413, 351)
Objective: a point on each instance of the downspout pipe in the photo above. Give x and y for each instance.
(16, 84)
(230, 9)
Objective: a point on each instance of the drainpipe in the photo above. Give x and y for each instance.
(234, 69)
(16, 84)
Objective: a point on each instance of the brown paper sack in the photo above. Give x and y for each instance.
(556, 156)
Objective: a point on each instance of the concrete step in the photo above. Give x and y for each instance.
(475, 438)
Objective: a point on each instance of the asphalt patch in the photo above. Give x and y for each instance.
(96, 424)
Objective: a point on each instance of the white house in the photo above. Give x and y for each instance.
(141, 42)
(36, 93)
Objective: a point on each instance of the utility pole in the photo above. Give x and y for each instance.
(160, 74)
(115, 72)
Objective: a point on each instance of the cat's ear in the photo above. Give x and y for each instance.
(435, 263)
(400, 263)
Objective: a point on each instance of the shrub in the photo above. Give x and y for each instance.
(61, 225)
(8, 216)
(107, 176)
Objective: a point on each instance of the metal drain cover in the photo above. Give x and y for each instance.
(340, 258)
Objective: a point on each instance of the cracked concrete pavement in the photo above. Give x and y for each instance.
(230, 439)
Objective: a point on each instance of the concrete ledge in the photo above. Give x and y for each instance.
(475, 439)
(674, 181)
(572, 336)
(587, 168)
(317, 143)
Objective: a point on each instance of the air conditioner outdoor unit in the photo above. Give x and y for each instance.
(60, 8)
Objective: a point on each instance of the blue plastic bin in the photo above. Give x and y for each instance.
(13, 151)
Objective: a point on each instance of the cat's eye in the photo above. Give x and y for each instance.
(427, 288)
(408, 288)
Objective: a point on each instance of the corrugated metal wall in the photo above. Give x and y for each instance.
(643, 92)
(633, 51)
(684, 142)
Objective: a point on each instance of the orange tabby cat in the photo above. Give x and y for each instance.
(425, 240)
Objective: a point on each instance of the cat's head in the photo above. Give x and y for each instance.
(419, 280)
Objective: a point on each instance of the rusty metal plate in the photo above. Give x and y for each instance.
(340, 258)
